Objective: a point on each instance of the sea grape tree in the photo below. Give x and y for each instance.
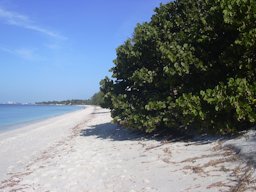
(191, 68)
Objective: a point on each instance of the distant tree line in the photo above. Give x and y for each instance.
(192, 68)
(96, 99)
(65, 102)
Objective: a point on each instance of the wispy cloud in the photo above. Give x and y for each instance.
(25, 53)
(6, 50)
(53, 46)
(16, 19)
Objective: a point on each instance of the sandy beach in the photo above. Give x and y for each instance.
(83, 151)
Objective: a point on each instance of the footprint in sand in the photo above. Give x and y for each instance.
(36, 180)
(146, 181)
(70, 170)
(47, 186)
(10, 168)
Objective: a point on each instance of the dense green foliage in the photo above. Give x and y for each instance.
(191, 68)
(96, 99)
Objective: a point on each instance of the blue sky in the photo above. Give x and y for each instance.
(61, 49)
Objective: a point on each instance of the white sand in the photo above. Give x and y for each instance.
(83, 151)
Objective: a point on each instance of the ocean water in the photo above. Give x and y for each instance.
(13, 116)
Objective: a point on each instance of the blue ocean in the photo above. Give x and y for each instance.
(12, 116)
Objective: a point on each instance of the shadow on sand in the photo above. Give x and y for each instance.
(112, 132)
(118, 133)
(101, 112)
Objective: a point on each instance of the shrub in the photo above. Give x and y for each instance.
(191, 68)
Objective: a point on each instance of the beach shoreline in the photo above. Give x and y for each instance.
(39, 134)
(36, 119)
(84, 151)
(33, 123)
